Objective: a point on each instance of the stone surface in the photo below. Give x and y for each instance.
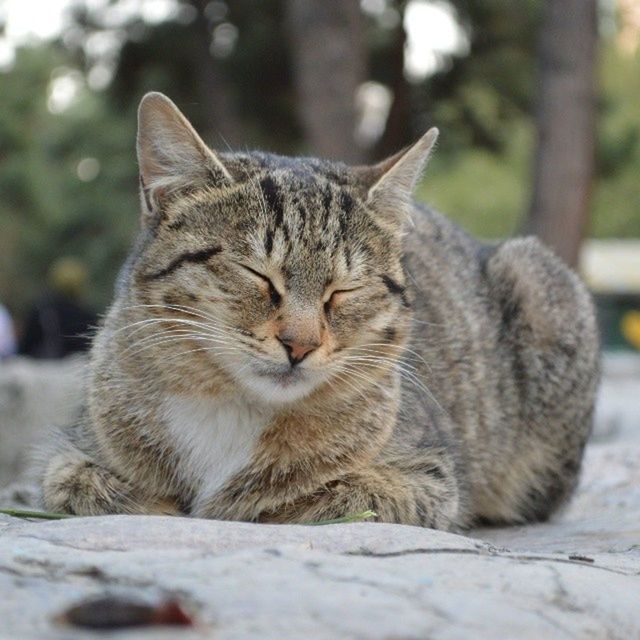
(33, 396)
(340, 581)
(577, 576)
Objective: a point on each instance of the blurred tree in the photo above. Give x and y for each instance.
(283, 73)
(616, 200)
(565, 119)
(387, 62)
(211, 81)
(477, 95)
(67, 177)
(67, 169)
(330, 63)
(225, 64)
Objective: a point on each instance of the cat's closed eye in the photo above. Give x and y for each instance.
(338, 296)
(274, 295)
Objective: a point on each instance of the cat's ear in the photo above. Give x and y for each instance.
(392, 182)
(171, 155)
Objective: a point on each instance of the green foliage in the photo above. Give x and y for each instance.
(476, 95)
(616, 198)
(488, 192)
(480, 175)
(35, 515)
(46, 211)
(485, 192)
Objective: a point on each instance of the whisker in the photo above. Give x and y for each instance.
(184, 321)
(407, 374)
(181, 332)
(217, 322)
(198, 350)
(398, 347)
(430, 324)
(380, 358)
(162, 340)
(176, 307)
(358, 373)
(342, 376)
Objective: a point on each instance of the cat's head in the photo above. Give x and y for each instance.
(286, 273)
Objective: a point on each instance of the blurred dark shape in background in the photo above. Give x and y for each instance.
(59, 324)
(329, 64)
(7, 334)
(536, 101)
(566, 126)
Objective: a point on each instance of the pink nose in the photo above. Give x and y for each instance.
(297, 350)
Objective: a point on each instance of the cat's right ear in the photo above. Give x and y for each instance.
(171, 155)
(392, 182)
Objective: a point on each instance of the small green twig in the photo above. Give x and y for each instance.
(358, 517)
(43, 515)
(40, 515)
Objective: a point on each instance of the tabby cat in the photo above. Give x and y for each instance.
(295, 340)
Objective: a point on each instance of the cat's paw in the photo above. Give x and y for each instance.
(164, 507)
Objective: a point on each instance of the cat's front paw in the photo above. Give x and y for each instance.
(164, 507)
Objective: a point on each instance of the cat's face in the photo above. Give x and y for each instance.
(285, 273)
(290, 274)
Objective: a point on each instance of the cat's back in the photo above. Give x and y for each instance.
(479, 307)
(505, 348)
(452, 351)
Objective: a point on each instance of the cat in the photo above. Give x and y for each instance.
(294, 340)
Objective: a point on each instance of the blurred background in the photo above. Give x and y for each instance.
(538, 103)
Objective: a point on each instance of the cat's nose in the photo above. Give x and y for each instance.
(297, 350)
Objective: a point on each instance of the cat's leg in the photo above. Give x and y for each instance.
(411, 490)
(550, 346)
(73, 483)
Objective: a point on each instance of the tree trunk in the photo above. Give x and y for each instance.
(397, 129)
(329, 63)
(565, 125)
(221, 127)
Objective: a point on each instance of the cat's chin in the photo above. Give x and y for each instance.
(279, 387)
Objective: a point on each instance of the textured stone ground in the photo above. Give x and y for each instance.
(34, 395)
(575, 577)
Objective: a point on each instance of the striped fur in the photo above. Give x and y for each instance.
(295, 339)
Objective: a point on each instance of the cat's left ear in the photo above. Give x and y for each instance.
(171, 155)
(392, 182)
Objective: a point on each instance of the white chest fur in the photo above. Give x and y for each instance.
(213, 438)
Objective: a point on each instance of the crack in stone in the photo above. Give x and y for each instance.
(554, 623)
(55, 572)
(65, 545)
(367, 553)
(410, 594)
(561, 597)
(11, 571)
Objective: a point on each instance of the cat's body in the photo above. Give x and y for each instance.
(286, 346)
